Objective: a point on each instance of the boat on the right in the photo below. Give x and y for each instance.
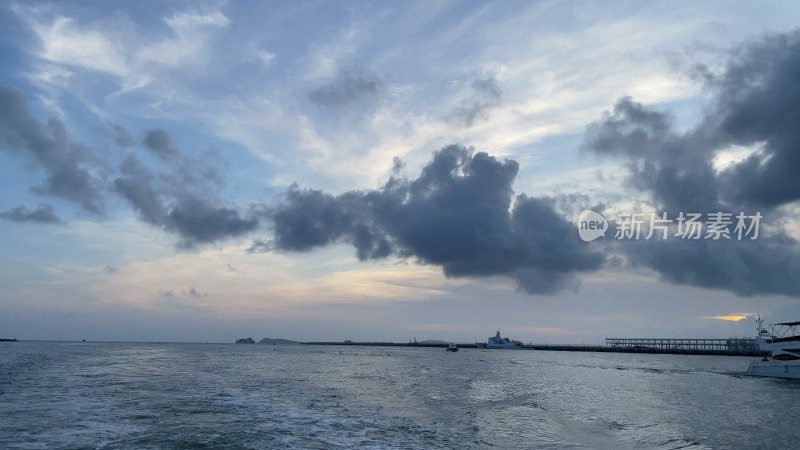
(783, 343)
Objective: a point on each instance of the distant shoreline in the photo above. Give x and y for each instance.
(541, 347)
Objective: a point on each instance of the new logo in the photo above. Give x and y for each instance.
(591, 225)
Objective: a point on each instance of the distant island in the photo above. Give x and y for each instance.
(267, 341)
(8, 340)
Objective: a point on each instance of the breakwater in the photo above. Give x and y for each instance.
(572, 348)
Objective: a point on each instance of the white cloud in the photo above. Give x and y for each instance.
(266, 58)
(326, 59)
(185, 23)
(734, 154)
(115, 47)
(189, 42)
(553, 84)
(63, 41)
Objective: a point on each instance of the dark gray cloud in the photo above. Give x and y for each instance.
(181, 200)
(486, 95)
(160, 144)
(200, 221)
(754, 102)
(457, 214)
(137, 184)
(191, 292)
(768, 265)
(675, 168)
(43, 214)
(121, 137)
(757, 102)
(397, 165)
(311, 218)
(71, 169)
(260, 246)
(350, 86)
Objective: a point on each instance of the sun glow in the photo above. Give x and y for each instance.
(730, 318)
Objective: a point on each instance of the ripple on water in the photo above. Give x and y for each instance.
(227, 396)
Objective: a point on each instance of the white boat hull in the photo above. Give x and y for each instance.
(775, 369)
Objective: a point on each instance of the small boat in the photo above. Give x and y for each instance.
(451, 347)
(783, 343)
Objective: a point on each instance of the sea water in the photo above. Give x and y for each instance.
(137, 395)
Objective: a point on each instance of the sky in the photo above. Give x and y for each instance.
(205, 171)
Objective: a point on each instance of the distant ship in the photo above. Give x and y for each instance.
(784, 344)
(498, 341)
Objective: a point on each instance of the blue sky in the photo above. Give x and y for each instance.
(254, 97)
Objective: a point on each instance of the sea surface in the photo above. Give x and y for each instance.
(135, 395)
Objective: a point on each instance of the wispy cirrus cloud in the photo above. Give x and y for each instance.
(113, 47)
(44, 213)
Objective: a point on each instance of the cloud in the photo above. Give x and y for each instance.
(754, 103)
(121, 137)
(266, 58)
(260, 246)
(70, 167)
(768, 265)
(457, 214)
(43, 214)
(191, 32)
(199, 220)
(160, 144)
(348, 87)
(137, 185)
(115, 49)
(180, 201)
(485, 94)
(63, 41)
(186, 293)
(675, 168)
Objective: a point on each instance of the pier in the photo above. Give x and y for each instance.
(730, 344)
(728, 347)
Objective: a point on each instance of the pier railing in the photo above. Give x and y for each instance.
(730, 344)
